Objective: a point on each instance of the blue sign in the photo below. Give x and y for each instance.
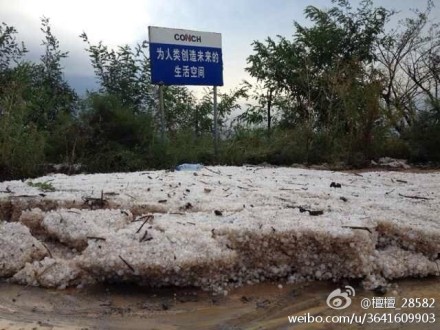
(182, 57)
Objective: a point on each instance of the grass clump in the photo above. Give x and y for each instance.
(45, 186)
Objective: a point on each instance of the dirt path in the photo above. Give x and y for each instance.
(263, 306)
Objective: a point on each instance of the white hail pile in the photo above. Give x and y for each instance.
(220, 227)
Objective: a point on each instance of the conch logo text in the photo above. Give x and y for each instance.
(187, 37)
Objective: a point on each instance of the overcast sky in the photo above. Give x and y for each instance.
(126, 22)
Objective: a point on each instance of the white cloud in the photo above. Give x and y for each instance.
(126, 22)
(113, 22)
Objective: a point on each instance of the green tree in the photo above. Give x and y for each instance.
(264, 67)
(114, 138)
(228, 102)
(124, 72)
(11, 53)
(50, 94)
(409, 61)
(21, 144)
(325, 77)
(10, 49)
(179, 108)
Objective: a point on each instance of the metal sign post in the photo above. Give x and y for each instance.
(186, 57)
(215, 123)
(162, 114)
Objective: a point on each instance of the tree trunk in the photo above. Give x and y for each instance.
(269, 105)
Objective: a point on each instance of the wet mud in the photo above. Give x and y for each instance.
(261, 306)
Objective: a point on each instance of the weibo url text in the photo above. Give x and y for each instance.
(365, 318)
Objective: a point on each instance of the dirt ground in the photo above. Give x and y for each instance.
(263, 306)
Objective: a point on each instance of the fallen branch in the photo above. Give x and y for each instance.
(415, 197)
(302, 210)
(130, 196)
(145, 238)
(125, 212)
(143, 217)
(148, 218)
(128, 265)
(212, 170)
(7, 191)
(94, 201)
(358, 227)
(111, 193)
(315, 213)
(50, 253)
(38, 275)
(284, 200)
(96, 238)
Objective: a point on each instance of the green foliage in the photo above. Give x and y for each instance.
(45, 186)
(66, 141)
(342, 89)
(333, 51)
(179, 107)
(21, 144)
(245, 147)
(283, 147)
(185, 147)
(33, 98)
(110, 121)
(326, 79)
(424, 138)
(409, 59)
(10, 49)
(50, 95)
(124, 72)
(114, 137)
(203, 120)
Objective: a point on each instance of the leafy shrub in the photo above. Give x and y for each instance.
(424, 139)
(21, 145)
(115, 138)
(43, 186)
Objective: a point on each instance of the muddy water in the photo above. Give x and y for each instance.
(264, 306)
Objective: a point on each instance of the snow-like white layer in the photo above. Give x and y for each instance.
(229, 226)
(74, 228)
(50, 273)
(17, 247)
